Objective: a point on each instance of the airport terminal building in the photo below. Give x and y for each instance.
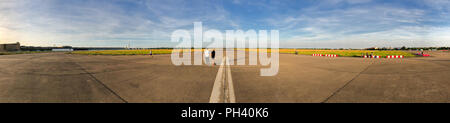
(10, 47)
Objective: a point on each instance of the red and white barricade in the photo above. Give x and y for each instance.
(317, 55)
(331, 55)
(375, 57)
(396, 56)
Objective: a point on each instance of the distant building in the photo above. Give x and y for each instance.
(62, 50)
(10, 47)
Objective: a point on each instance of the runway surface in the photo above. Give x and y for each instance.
(59, 77)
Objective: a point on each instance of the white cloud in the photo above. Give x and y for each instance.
(360, 26)
(48, 22)
(438, 4)
(357, 1)
(337, 23)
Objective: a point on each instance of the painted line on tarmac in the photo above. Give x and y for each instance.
(100, 82)
(345, 85)
(218, 85)
(223, 91)
(230, 89)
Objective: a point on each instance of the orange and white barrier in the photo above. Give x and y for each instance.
(331, 55)
(396, 56)
(317, 55)
(376, 57)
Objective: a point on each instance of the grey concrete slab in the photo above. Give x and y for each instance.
(401, 80)
(152, 78)
(300, 79)
(59, 77)
(49, 78)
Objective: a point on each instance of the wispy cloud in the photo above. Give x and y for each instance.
(360, 26)
(148, 23)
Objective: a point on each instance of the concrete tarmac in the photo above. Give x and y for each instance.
(59, 77)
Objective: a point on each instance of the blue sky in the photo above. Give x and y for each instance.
(302, 23)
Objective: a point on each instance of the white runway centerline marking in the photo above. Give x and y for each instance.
(230, 89)
(223, 91)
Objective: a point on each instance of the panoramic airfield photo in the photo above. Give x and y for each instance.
(224, 51)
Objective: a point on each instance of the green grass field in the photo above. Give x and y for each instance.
(123, 52)
(349, 53)
(342, 53)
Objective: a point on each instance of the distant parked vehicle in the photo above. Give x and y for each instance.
(424, 55)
